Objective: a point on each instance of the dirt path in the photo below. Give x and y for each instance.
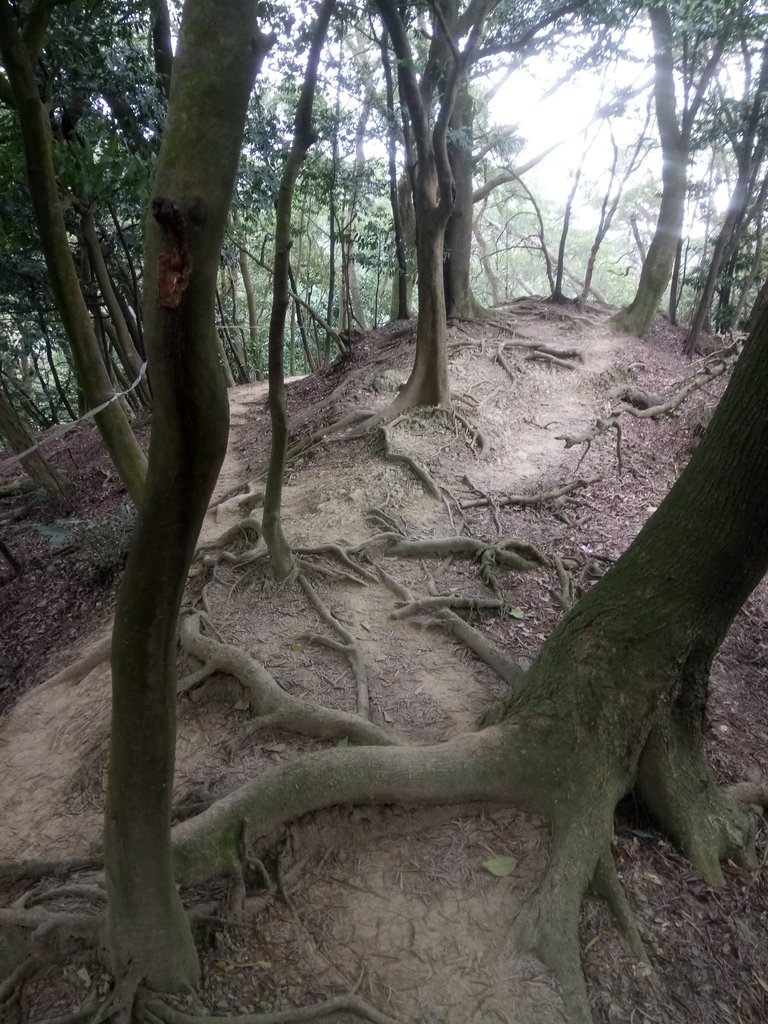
(398, 900)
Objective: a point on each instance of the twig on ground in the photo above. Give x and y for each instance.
(542, 498)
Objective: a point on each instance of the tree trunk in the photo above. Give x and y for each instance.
(253, 329)
(215, 64)
(657, 267)
(14, 431)
(127, 350)
(459, 300)
(280, 552)
(93, 378)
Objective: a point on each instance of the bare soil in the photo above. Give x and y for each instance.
(397, 901)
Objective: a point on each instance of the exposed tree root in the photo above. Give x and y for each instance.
(480, 645)
(431, 604)
(606, 885)
(342, 554)
(54, 936)
(324, 433)
(471, 767)
(159, 1012)
(604, 424)
(348, 646)
(509, 552)
(32, 870)
(542, 498)
(244, 501)
(275, 707)
(750, 794)
(416, 468)
(247, 530)
(78, 670)
(504, 363)
(705, 822)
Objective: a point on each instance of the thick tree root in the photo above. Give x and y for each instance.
(606, 885)
(245, 501)
(348, 646)
(342, 555)
(706, 823)
(508, 552)
(159, 1012)
(431, 604)
(275, 707)
(32, 870)
(326, 433)
(54, 936)
(247, 530)
(471, 767)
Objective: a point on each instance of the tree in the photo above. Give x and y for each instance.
(747, 138)
(21, 39)
(279, 549)
(216, 61)
(431, 183)
(702, 52)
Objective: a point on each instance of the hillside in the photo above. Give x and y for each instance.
(494, 516)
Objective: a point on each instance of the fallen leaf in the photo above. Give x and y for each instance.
(501, 866)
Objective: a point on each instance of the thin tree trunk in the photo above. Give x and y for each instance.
(148, 931)
(37, 467)
(34, 124)
(253, 328)
(280, 552)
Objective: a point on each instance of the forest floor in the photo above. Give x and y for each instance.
(403, 903)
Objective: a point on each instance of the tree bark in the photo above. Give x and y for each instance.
(459, 300)
(34, 124)
(280, 553)
(217, 57)
(675, 144)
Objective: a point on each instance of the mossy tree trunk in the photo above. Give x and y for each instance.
(459, 299)
(675, 138)
(214, 68)
(20, 48)
(280, 552)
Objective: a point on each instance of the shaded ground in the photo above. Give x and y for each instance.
(402, 902)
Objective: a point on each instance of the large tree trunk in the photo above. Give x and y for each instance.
(215, 64)
(34, 124)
